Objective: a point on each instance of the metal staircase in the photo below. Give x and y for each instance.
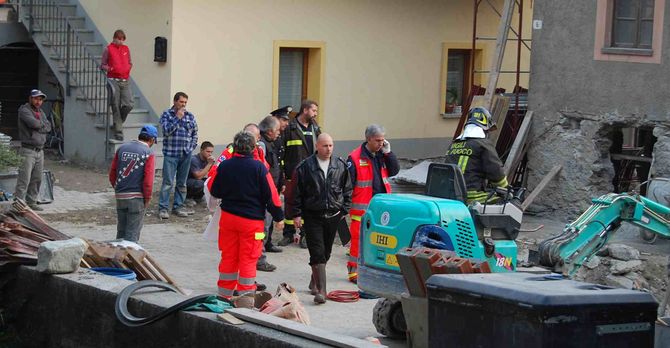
(67, 42)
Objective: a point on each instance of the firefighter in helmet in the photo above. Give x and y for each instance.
(477, 158)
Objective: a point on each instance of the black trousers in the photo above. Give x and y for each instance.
(320, 233)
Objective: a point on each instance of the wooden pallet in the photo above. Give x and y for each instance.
(105, 254)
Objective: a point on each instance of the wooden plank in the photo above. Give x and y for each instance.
(140, 271)
(527, 202)
(499, 115)
(499, 53)
(294, 328)
(167, 277)
(229, 318)
(516, 152)
(618, 156)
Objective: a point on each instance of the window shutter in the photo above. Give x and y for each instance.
(290, 77)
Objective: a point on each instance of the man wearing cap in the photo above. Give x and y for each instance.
(132, 177)
(299, 143)
(33, 129)
(117, 63)
(282, 115)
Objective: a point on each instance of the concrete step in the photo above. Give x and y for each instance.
(75, 21)
(57, 57)
(81, 33)
(78, 71)
(136, 116)
(130, 129)
(68, 9)
(89, 44)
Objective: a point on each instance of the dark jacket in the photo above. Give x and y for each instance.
(478, 161)
(272, 157)
(244, 186)
(317, 195)
(295, 146)
(132, 171)
(32, 131)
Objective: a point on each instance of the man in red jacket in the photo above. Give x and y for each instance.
(117, 63)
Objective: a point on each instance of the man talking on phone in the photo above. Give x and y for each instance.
(370, 165)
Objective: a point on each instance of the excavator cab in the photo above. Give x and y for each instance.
(499, 221)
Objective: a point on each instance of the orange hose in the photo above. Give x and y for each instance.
(343, 296)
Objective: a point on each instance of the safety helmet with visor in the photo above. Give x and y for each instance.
(481, 117)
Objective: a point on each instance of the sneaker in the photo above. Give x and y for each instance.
(273, 249)
(187, 211)
(118, 136)
(180, 212)
(35, 207)
(265, 267)
(190, 203)
(163, 214)
(285, 241)
(303, 243)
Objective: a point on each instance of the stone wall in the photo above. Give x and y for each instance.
(77, 310)
(578, 102)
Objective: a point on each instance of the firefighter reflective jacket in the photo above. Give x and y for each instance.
(479, 162)
(295, 145)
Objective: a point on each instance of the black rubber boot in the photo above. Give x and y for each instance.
(312, 283)
(322, 294)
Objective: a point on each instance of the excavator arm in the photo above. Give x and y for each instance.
(582, 239)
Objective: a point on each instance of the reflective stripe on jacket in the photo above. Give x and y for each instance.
(295, 145)
(363, 186)
(478, 160)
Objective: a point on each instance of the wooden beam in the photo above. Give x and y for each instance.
(499, 114)
(499, 53)
(527, 202)
(516, 152)
(618, 156)
(298, 329)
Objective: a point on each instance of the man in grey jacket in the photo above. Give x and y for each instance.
(33, 128)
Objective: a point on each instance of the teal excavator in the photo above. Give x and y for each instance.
(441, 219)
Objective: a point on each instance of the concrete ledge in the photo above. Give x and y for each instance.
(77, 310)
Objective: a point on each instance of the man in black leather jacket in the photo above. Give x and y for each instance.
(322, 197)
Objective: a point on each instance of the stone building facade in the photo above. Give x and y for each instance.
(591, 79)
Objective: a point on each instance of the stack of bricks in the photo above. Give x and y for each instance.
(418, 264)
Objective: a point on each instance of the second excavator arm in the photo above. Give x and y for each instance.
(582, 239)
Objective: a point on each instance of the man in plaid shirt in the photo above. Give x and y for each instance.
(181, 137)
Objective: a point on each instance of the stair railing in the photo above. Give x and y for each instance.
(81, 67)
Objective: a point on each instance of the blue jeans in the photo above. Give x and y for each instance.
(130, 216)
(174, 166)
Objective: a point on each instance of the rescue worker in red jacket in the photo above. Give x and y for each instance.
(259, 155)
(370, 166)
(246, 190)
(117, 63)
(477, 157)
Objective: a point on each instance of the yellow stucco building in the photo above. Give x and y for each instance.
(363, 61)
